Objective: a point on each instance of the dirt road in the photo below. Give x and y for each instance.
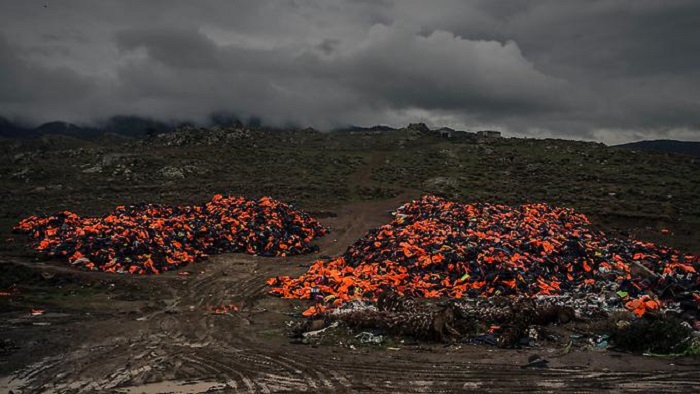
(161, 334)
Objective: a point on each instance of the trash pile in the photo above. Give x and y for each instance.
(500, 321)
(435, 248)
(151, 238)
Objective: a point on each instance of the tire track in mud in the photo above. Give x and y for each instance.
(223, 281)
(212, 356)
(258, 381)
(227, 357)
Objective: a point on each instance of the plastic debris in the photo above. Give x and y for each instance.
(151, 238)
(354, 306)
(316, 332)
(36, 312)
(486, 339)
(371, 338)
(600, 341)
(535, 361)
(9, 292)
(222, 309)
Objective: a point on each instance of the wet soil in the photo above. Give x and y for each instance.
(152, 334)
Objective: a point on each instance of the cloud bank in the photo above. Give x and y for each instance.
(610, 71)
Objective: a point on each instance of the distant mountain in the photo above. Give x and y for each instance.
(225, 119)
(11, 130)
(134, 126)
(68, 129)
(690, 148)
(373, 128)
(120, 125)
(130, 126)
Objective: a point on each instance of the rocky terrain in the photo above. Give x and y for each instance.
(167, 328)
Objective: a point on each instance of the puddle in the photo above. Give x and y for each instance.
(174, 387)
(11, 383)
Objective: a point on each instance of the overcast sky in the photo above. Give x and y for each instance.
(609, 71)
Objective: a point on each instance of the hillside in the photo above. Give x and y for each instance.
(690, 148)
(624, 188)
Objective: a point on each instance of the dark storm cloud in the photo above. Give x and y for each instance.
(442, 71)
(25, 81)
(28, 87)
(606, 70)
(613, 38)
(391, 68)
(177, 48)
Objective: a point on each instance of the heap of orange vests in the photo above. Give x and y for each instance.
(438, 248)
(151, 238)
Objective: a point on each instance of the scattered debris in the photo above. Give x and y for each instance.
(368, 337)
(37, 312)
(535, 361)
(316, 332)
(9, 292)
(222, 309)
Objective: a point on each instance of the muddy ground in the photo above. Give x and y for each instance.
(158, 334)
(131, 334)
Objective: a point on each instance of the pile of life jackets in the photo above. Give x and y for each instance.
(150, 238)
(438, 248)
